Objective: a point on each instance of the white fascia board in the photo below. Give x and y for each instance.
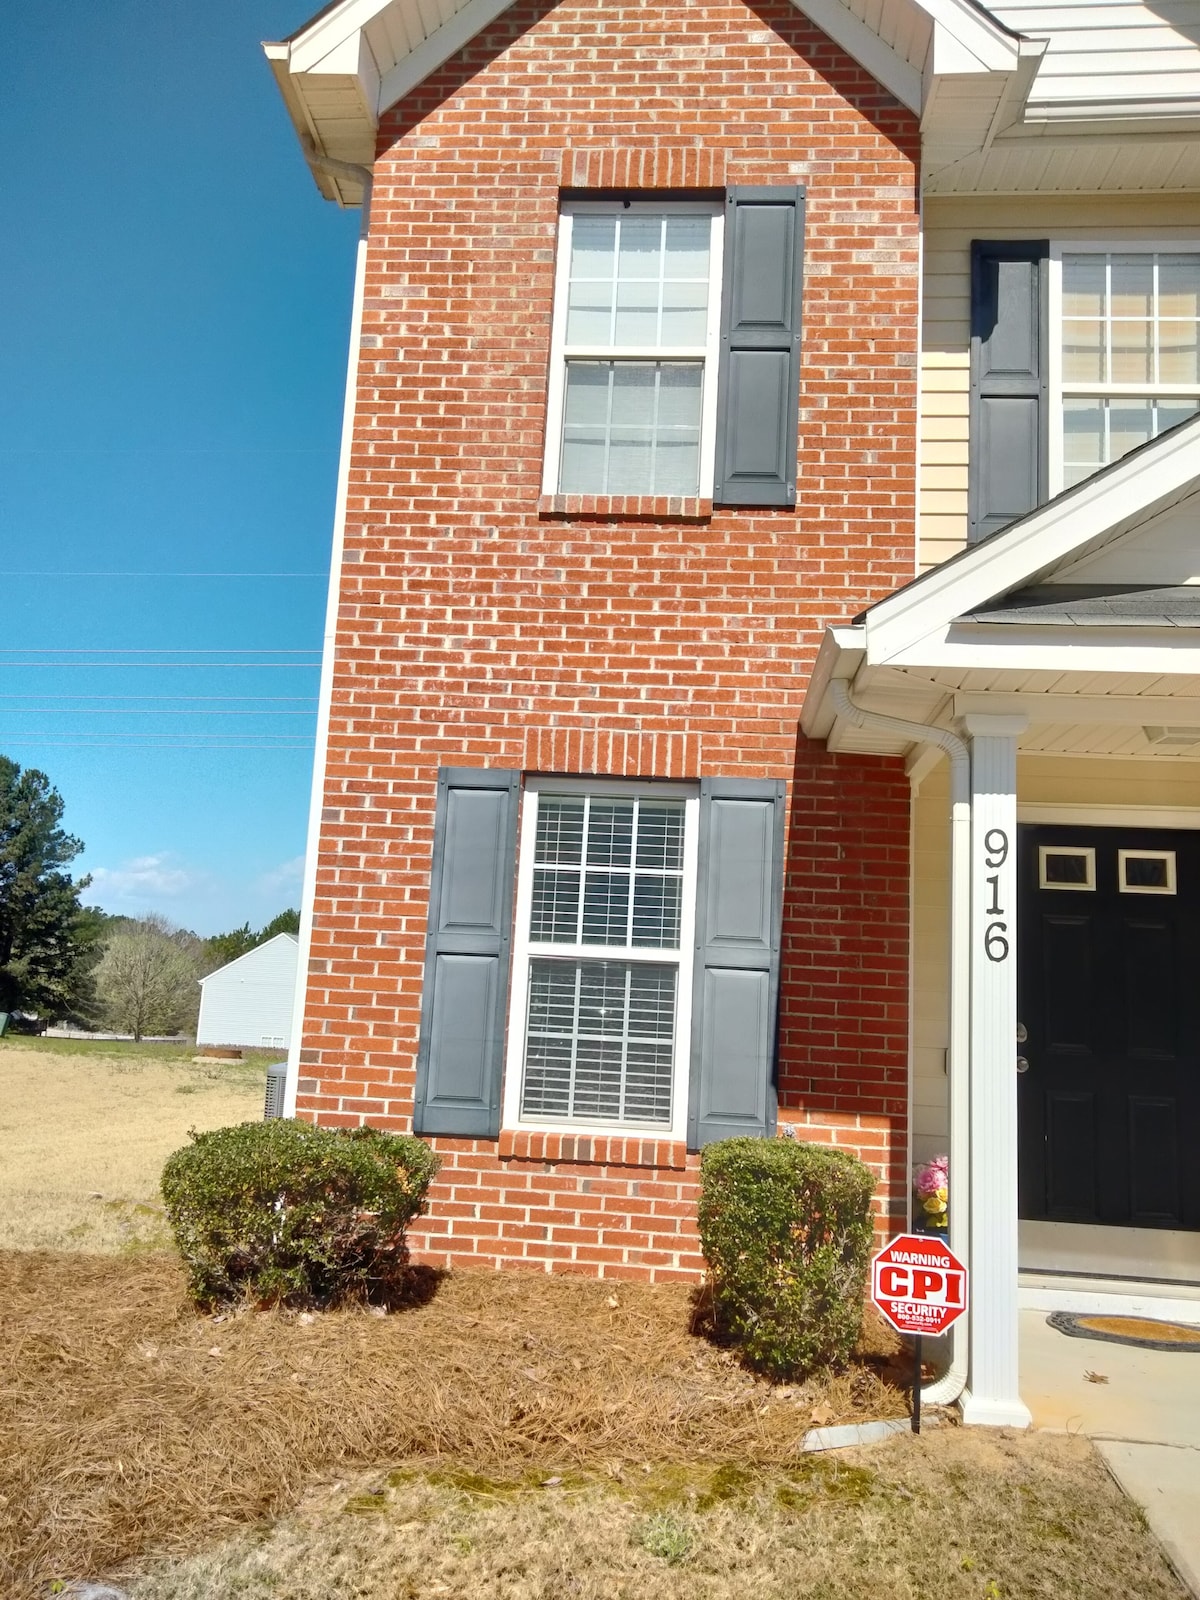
(429, 55)
(897, 75)
(992, 45)
(1034, 545)
(1162, 652)
(331, 32)
(1124, 710)
(839, 656)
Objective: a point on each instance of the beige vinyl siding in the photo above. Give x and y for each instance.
(950, 225)
(1142, 50)
(1041, 780)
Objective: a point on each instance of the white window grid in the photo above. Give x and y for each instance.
(706, 356)
(1062, 389)
(526, 951)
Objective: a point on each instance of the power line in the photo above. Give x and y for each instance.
(142, 650)
(172, 575)
(163, 666)
(144, 711)
(35, 694)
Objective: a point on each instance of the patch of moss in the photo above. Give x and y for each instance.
(361, 1505)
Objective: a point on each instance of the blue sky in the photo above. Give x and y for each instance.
(174, 306)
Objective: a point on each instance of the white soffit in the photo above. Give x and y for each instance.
(1133, 493)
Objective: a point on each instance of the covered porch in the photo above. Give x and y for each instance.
(1044, 690)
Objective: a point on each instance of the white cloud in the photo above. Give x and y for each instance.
(285, 879)
(143, 878)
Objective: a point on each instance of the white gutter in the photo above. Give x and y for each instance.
(947, 1388)
(308, 897)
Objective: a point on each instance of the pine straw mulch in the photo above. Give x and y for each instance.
(130, 1424)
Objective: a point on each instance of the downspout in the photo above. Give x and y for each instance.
(946, 1388)
(325, 698)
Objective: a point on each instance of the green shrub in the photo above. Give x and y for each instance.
(786, 1231)
(291, 1214)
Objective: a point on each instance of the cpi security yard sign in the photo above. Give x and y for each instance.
(919, 1284)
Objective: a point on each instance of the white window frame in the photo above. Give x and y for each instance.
(561, 352)
(525, 950)
(1125, 887)
(1058, 389)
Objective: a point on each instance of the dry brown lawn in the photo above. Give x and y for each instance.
(523, 1438)
(85, 1129)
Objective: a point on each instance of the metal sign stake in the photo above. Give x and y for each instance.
(916, 1400)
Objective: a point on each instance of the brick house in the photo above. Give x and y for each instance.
(766, 475)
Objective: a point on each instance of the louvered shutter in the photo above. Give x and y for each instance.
(1009, 421)
(759, 380)
(461, 1053)
(739, 909)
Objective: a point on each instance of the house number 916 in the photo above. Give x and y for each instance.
(995, 854)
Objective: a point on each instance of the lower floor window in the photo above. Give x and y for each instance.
(602, 957)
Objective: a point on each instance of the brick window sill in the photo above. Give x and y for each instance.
(590, 1150)
(626, 507)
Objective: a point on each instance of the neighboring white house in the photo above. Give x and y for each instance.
(250, 1000)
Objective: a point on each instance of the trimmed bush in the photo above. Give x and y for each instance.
(786, 1231)
(289, 1214)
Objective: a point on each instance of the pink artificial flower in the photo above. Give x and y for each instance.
(934, 1175)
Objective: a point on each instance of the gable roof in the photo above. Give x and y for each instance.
(355, 59)
(248, 955)
(1112, 508)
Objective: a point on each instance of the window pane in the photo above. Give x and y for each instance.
(630, 463)
(660, 835)
(593, 242)
(1083, 438)
(685, 314)
(1083, 286)
(634, 395)
(1129, 425)
(1177, 359)
(656, 912)
(1170, 413)
(559, 829)
(554, 918)
(610, 833)
(1131, 360)
(637, 315)
(1083, 352)
(640, 254)
(600, 1041)
(1132, 286)
(589, 314)
(606, 908)
(1179, 286)
(687, 248)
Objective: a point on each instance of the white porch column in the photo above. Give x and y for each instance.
(992, 1395)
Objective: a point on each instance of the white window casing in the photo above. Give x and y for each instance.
(628, 365)
(554, 971)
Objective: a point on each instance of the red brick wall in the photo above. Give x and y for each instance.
(636, 639)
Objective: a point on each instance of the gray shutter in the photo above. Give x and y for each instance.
(759, 381)
(739, 911)
(461, 1054)
(1009, 421)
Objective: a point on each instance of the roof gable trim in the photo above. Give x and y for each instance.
(1017, 556)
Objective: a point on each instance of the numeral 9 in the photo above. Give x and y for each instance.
(995, 843)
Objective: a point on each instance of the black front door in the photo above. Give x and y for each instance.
(1109, 1001)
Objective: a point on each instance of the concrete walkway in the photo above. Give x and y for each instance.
(1145, 1420)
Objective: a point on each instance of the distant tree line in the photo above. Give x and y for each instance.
(62, 961)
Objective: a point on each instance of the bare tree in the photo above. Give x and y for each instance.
(146, 980)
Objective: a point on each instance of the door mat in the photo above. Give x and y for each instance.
(1144, 1332)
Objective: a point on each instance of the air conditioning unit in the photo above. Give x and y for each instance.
(276, 1081)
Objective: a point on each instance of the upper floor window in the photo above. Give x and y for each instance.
(632, 402)
(1128, 351)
